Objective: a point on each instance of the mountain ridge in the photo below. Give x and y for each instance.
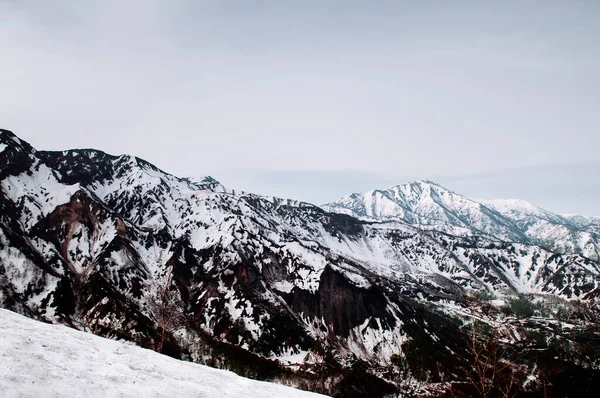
(425, 203)
(105, 244)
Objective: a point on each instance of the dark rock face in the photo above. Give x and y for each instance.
(114, 246)
(342, 305)
(17, 157)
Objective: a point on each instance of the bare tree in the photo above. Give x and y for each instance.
(492, 371)
(322, 354)
(166, 306)
(407, 382)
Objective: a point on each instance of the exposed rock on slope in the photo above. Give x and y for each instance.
(115, 246)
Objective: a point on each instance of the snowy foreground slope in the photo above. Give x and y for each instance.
(40, 360)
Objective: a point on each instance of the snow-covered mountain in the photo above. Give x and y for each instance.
(274, 288)
(42, 360)
(430, 206)
(573, 234)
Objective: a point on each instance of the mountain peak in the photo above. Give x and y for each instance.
(427, 204)
(422, 182)
(9, 139)
(5, 134)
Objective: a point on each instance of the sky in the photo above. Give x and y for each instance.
(315, 99)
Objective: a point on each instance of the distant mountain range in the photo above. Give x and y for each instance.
(428, 205)
(321, 297)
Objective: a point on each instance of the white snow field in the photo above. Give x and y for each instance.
(42, 360)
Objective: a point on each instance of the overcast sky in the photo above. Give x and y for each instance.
(365, 92)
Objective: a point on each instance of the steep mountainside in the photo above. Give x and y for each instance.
(430, 206)
(272, 288)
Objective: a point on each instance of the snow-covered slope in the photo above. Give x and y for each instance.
(43, 360)
(430, 206)
(572, 234)
(104, 243)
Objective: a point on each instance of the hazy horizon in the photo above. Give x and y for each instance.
(560, 188)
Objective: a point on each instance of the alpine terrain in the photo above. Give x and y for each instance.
(410, 291)
(427, 205)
